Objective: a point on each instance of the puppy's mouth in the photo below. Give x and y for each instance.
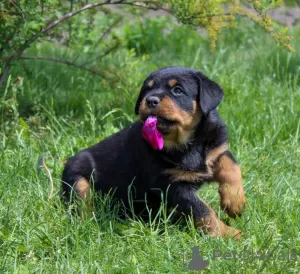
(165, 122)
(163, 125)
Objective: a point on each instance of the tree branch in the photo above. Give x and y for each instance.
(109, 50)
(60, 61)
(65, 17)
(75, 12)
(86, 7)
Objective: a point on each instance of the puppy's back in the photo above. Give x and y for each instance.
(108, 165)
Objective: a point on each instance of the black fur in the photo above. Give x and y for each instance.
(125, 160)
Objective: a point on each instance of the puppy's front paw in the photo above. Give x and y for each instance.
(233, 233)
(233, 200)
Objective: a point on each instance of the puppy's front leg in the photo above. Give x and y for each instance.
(227, 172)
(184, 197)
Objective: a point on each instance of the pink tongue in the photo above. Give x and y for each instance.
(151, 134)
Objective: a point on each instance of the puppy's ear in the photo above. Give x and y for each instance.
(211, 94)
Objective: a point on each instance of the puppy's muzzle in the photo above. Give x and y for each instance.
(152, 102)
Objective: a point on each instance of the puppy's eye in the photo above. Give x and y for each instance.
(177, 91)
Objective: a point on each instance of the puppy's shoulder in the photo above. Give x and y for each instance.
(122, 137)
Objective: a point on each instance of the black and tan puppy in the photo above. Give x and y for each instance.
(195, 151)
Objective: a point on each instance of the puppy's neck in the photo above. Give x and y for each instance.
(209, 133)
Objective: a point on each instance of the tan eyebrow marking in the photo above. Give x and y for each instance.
(172, 82)
(150, 83)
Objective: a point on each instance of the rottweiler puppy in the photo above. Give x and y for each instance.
(183, 102)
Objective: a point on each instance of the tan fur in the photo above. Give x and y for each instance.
(82, 188)
(184, 175)
(213, 226)
(181, 133)
(231, 190)
(172, 83)
(150, 83)
(214, 154)
(186, 121)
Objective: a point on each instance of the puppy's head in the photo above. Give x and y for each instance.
(178, 97)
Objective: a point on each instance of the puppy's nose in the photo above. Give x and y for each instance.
(152, 101)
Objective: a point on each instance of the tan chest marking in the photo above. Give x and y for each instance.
(213, 155)
(186, 175)
(177, 174)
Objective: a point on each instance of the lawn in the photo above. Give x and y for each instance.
(57, 111)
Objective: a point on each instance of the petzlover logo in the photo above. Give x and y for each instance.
(197, 262)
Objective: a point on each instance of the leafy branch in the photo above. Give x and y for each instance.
(22, 23)
(55, 23)
(61, 61)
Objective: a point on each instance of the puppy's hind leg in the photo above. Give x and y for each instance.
(82, 188)
(83, 191)
(80, 193)
(76, 186)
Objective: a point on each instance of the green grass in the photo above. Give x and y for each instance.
(65, 110)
